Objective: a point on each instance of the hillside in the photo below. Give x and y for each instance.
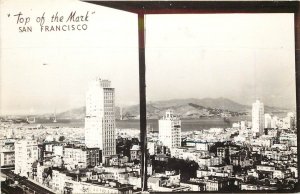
(186, 108)
(191, 108)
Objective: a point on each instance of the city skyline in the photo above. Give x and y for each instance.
(205, 160)
(225, 58)
(53, 113)
(220, 114)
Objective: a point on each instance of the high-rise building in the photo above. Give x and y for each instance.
(100, 117)
(170, 130)
(26, 153)
(268, 120)
(291, 120)
(274, 122)
(243, 125)
(258, 119)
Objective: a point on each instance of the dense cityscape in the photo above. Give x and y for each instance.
(260, 154)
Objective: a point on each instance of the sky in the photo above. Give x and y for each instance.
(237, 56)
(242, 57)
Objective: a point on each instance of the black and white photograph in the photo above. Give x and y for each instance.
(134, 97)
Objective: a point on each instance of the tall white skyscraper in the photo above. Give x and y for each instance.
(274, 122)
(258, 119)
(170, 130)
(291, 118)
(268, 121)
(100, 117)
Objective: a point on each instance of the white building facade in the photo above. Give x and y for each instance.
(291, 118)
(268, 121)
(258, 119)
(7, 152)
(100, 117)
(170, 130)
(26, 153)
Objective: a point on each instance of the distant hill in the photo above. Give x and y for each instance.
(77, 113)
(220, 103)
(186, 108)
(191, 107)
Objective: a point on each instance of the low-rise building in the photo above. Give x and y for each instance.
(255, 187)
(253, 173)
(217, 171)
(294, 171)
(193, 185)
(135, 153)
(216, 184)
(241, 159)
(209, 161)
(265, 168)
(282, 174)
(72, 186)
(82, 157)
(203, 146)
(7, 153)
(162, 157)
(162, 184)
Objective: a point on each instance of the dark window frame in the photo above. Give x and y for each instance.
(142, 8)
